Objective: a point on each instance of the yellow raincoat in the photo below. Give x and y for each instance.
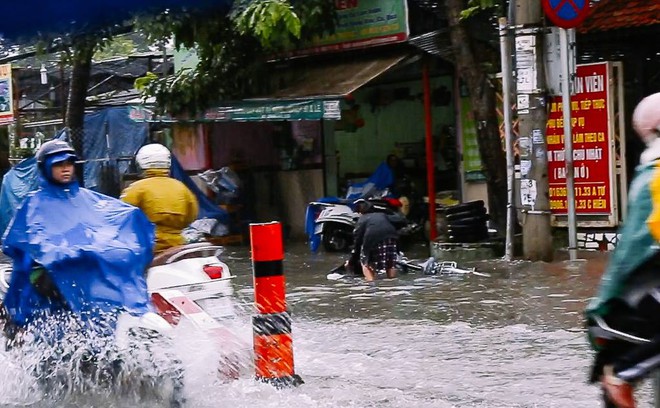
(167, 202)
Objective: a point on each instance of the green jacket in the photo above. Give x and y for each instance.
(639, 237)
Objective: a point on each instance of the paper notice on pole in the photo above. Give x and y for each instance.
(526, 71)
(525, 43)
(525, 167)
(526, 80)
(524, 146)
(528, 192)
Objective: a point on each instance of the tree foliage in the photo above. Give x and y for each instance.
(476, 63)
(119, 46)
(476, 6)
(232, 49)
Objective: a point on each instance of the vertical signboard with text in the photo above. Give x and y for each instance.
(6, 95)
(592, 145)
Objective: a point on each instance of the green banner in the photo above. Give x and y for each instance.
(472, 164)
(273, 110)
(250, 111)
(364, 23)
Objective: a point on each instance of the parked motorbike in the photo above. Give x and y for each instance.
(335, 222)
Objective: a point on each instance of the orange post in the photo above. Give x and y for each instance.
(273, 347)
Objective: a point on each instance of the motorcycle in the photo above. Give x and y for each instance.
(335, 221)
(334, 225)
(194, 269)
(124, 355)
(188, 279)
(617, 334)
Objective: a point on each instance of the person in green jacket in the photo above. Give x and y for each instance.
(631, 282)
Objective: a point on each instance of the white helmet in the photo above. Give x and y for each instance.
(153, 156)
(646, 118)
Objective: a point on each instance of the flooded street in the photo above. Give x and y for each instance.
(513, 339)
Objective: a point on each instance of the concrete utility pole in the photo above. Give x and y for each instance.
(533, 117)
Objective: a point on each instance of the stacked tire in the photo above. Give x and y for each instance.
(467, 222)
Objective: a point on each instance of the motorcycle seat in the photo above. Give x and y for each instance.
(185, 252)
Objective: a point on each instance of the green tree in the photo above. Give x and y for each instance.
(119, 46)
(79, 54)
(477, 63)
(232, 49)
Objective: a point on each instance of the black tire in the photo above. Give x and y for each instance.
(466, 239)
(469, 229)
(469, 206)
(480, 220)
(477, 212)
(478, 231)
(468, 236)
(337, 238)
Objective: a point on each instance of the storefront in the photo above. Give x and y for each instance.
(334, 113)
(328, 125)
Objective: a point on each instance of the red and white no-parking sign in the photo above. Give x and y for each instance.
(566, 13)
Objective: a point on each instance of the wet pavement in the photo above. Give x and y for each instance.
(512, 339)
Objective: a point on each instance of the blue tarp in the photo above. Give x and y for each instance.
(94, 247)
(381, 179)
(18, 181)
(110, 134)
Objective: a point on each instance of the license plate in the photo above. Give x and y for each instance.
(318, 229)
(218, 308)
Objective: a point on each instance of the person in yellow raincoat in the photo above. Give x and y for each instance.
(167, 202)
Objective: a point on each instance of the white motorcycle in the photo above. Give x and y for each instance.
(336, 221)
(185, 282)
(335, 225)
(194, 269)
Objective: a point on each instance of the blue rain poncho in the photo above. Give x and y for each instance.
(95, 248)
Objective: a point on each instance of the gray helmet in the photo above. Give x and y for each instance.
(53, 147)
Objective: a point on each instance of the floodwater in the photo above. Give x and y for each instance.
(512, 339)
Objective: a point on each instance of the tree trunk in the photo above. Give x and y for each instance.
(78, 84)
(483, 98)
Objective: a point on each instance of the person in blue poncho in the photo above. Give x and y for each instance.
(74, 250)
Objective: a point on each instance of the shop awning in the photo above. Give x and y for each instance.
(309, 92)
